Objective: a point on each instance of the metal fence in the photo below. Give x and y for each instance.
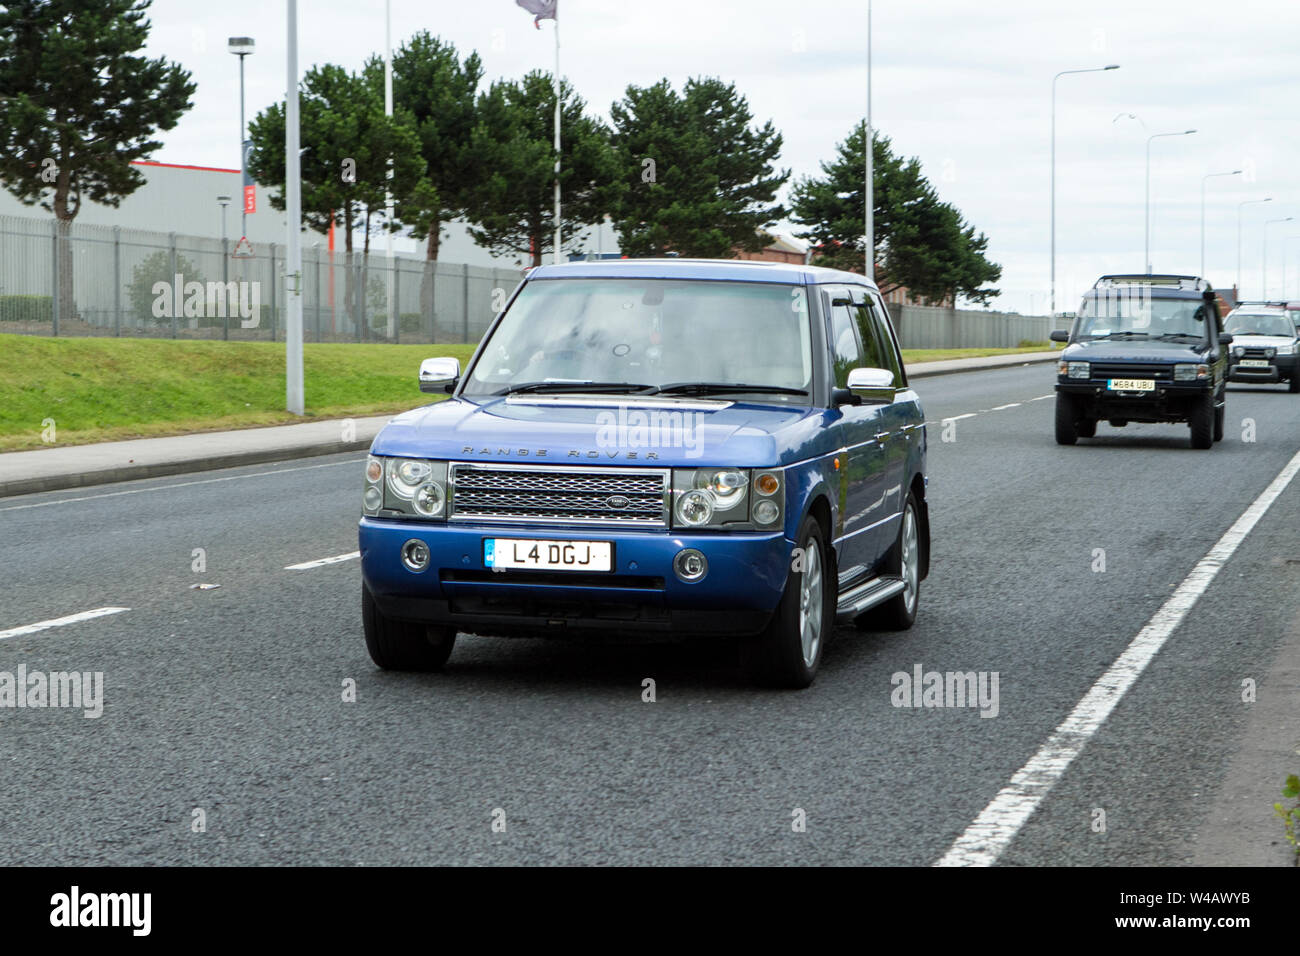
(923, 327)
(109, 281)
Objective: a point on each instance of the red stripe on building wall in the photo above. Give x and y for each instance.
(206, 169)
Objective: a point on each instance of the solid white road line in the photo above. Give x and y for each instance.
(337, 559)
(180, 484)
(61, 621)
(994, 829)
(1041, 397)
(998, 408)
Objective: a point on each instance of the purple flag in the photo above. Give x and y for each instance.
(541, 9)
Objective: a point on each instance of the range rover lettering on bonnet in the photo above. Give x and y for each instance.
(570, 453)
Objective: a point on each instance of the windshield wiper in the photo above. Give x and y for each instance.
(704, 388)
(1126, 334)
(1181, 335)
(573, 387)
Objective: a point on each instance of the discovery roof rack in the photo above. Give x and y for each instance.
(1191, 283)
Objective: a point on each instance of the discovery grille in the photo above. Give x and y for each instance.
(1160, 373)
(560, 495)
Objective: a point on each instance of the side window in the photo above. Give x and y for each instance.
(845, 350)
(874, 325)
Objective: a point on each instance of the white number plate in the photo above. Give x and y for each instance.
(1131, 385)
(547, 555)
(1254, 363)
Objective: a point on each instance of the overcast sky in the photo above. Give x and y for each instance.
(964, 86)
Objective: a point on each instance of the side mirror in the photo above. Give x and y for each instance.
(874, 386)
(437, 373)
(1059, 335)
(1225, 338)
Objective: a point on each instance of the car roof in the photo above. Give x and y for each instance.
(736, 270)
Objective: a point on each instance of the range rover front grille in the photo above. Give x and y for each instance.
(574, 494)
(1161, 373)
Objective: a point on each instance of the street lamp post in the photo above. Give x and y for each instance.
(1235, 172)
(1247, 202)
(1263, 265)
(1097, 69)
(241, 47)
(1147, 246)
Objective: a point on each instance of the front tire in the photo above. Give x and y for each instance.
(403, 645)
(1067, 429)
(1201, 422)
(789, 651)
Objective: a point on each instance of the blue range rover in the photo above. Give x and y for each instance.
(671, 448)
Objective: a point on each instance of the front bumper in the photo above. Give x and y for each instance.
(1167, 402)
(746, 578)
(1281, 368)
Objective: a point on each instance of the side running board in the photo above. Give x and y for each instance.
(865, 596)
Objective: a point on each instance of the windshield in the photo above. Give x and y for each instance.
(1137, 314)
(1259, 323)
(560, 334)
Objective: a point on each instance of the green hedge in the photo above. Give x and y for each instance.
(26, 308)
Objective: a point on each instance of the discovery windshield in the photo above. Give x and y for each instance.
(1138, 315)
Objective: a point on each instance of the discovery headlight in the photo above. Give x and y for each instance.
(1287, 349)
(1190, 373)
(1078, 370)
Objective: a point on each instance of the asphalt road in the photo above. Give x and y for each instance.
(230, 700)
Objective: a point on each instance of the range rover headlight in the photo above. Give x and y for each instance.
(1079, 370)
(405, 486)
(1190, 373)
(695, 508)
(766, 511)
(726, 485)
(428, 500)
(405, 475)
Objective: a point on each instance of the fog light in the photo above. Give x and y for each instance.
(690, 565)
(415, 555)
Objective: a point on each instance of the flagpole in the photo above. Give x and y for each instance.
(869, 192)
(556, 22)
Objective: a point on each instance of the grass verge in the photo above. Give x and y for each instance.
(111, 389)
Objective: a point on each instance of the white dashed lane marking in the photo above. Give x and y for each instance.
(61, 621)
(321, 562)
(998, 408)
